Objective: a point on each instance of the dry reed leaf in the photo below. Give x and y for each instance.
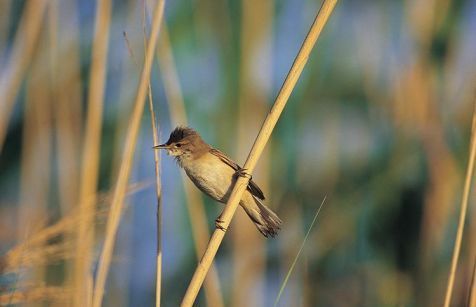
(55, 295)
(28, 252)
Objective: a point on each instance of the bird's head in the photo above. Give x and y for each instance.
(184, 142)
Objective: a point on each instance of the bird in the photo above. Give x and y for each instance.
(214, 173)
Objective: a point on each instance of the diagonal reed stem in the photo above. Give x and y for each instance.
(462, 216)
(258, 147)
(128, 156)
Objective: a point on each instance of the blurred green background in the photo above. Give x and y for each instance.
(379, 122)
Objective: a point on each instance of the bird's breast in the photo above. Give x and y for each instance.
(212, 176)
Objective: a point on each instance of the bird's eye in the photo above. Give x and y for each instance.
(178, 145)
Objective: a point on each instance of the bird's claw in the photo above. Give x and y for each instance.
(219, 224)
(242, 172)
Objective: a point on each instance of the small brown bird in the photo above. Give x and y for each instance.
(215, 174)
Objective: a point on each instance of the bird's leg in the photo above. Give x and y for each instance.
(219, 223)
(242, 172)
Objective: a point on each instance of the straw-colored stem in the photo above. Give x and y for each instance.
(67, 112)
(472, 287)
(21, 54)
(159, 203)
(195, 206)
(128, 156)
(67, 98)
(462, 216)
(158, 184)
(257, 149)
(90, 156)
(36, 156)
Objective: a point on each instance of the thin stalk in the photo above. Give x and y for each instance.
(258, 147)
(159, 202)
(36, 157)
(20, 57)
(195, 205)
(90, 157)
(128, 157)
(462, 216)
(67, 99)
(293, 264)
(158, 184)
(472, 287)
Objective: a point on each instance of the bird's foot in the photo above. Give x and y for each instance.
(219, 224)
(242, 172)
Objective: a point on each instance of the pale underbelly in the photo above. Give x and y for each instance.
(216, 183)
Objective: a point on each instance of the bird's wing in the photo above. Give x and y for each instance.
(252, 186)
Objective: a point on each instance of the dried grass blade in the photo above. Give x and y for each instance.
(285, 282)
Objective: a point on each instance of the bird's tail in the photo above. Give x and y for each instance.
(267, 222)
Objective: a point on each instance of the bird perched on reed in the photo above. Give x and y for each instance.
(215, 174)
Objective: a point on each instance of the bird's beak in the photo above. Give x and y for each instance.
(161, 146)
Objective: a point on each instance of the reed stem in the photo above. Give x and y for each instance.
(258, 147)
(128, 157)
(462, 216)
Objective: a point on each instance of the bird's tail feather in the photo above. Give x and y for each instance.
(267, 222)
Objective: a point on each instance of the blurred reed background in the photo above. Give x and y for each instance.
(380, 122)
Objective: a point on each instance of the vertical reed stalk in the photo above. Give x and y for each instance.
(258, 147)
(127, 160)
(36, 157)
(462, 216)
(90, 157)
(20, 57)
(423, 120)
(195, 205)
(67, 99)
(66, 105)
(158, 184)
(159, 202)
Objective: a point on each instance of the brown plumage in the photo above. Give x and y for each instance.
(215, 174)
